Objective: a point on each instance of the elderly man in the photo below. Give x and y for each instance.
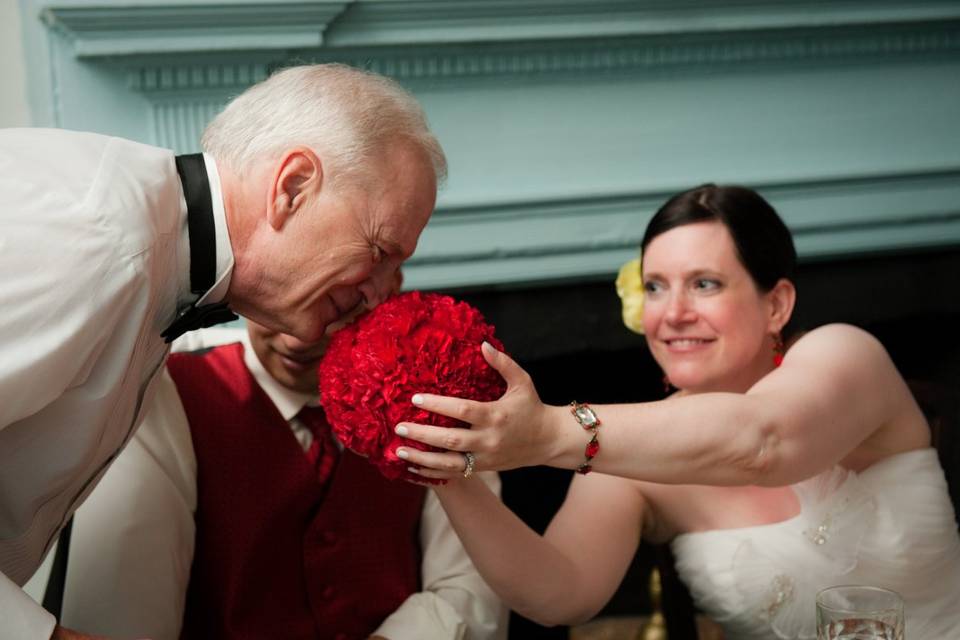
(235, 514)
(313, 188)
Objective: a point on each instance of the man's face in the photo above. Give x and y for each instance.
(292, 362)
(342, 248)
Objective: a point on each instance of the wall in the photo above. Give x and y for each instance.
(568, 121)
(14, 110)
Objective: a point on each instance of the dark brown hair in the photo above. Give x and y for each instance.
(763, 242)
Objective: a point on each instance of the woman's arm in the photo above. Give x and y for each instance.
(565, 576)
(837, 393)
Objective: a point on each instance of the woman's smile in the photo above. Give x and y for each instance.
(687, 344)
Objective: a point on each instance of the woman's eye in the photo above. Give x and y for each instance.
(652, 287)
(705, 284)
(378, 254)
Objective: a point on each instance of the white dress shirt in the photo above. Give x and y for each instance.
(133, 540)
(92, 269)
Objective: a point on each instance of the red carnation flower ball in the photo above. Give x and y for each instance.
(412, 343)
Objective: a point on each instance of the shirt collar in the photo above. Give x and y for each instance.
(287, 401)
(224, 250)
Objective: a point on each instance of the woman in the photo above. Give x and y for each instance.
(772, 475)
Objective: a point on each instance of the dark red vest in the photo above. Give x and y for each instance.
(275, 558)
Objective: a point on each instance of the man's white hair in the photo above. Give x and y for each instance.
(347, 116)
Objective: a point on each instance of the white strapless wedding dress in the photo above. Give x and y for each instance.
(892, 526)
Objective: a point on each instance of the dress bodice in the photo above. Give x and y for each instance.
(891, 525)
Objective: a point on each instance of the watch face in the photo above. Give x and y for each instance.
(586, 417)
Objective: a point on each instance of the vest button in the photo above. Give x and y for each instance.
(327, 592)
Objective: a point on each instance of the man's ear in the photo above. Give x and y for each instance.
(782, 298)
(297, 178)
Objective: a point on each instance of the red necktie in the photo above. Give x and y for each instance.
(323, 451)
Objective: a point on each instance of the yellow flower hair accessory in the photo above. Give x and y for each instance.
(630, 290)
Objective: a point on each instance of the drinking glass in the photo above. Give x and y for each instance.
(856, 612)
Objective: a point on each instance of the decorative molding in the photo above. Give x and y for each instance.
(506, 36)
(610, 57)
(435, 22)
(196, 77)
(123, 28)
(589, 238)
(178, 125)
(709, 51)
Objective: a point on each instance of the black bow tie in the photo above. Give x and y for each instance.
(203, 250)
(198, 318)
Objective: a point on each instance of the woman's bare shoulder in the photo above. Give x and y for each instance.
(840, 343)
(849, 361)
(854, 359)
(837, 332)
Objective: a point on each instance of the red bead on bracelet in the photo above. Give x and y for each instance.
(587, 419)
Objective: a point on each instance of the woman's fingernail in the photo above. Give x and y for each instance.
(413, 470)
(401, 430)
(417, 399)
(402, 453)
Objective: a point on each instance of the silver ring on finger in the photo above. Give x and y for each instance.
(469, 460)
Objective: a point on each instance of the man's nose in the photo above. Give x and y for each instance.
(382, 283)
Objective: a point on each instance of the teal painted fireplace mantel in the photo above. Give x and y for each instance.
(566, 122)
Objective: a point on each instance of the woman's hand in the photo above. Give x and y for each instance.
(511, 432)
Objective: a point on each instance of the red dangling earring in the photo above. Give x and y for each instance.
(777, 350)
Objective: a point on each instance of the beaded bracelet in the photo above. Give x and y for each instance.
(587, 419)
